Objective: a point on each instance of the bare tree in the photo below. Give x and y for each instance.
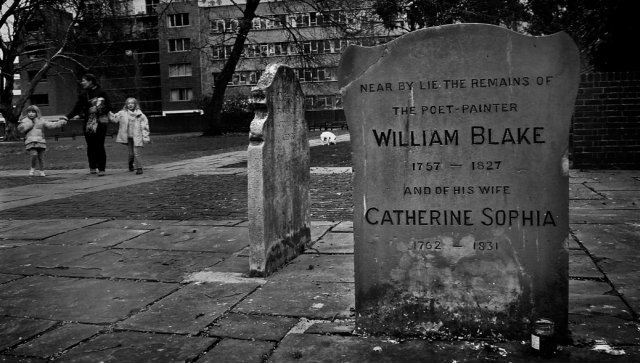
(42, 36)
(214, 109)
(354, 21)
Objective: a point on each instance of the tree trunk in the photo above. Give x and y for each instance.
(214, 110)
(11, 131)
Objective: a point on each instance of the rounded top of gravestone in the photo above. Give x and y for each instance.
(441, 42)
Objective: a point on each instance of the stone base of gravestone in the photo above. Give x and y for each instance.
(460, 139)
(278, 172)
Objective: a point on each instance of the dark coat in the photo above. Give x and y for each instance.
(84, 103)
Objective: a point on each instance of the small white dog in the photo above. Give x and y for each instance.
(328, 138)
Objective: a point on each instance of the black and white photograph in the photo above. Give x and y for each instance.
(319, 181)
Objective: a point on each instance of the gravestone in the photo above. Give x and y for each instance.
(460, 144)
(278, 172)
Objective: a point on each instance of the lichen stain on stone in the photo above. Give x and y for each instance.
(399, 315)
(457, 287)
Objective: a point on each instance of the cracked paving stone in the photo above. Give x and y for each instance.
(190, 309)
(78, 299)
(138, 347)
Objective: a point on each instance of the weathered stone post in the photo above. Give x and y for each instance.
(278, 172)
(460, 140)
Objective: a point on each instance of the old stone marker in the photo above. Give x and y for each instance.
(460, 138)
(278, 172)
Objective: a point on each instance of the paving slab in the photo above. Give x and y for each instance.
(317, 268)
(588, 328)
(154, 265)
(15, 197)
(44, 228)
(237, 264)
(243, 252)
(603, 216)
(603, 204)
(582, 266)
(8, 277)
(614, 248)
(580, 191)
(628, 184)
(334, 243)
(621, 240)
(344, 226)
(13, 359)
(234, 350)
(57, 340)
(633, 196)
(624, 276)
(318, 230)
(139, 347)
(343, 327)
(192, 238)
(103, 237)
(589, 355)
(312, 300)
(142, 224)
(606, 175)
(11, 224)
(580, 180)
(15, 243)
(42, 259)
(573, 242)
(78, 300)
(332, 348)
(15, 330)
(258, 327)
(588, 297)
(208, 222)
(190, 309)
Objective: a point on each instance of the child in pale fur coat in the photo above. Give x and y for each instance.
(133, 131)
(33, 126)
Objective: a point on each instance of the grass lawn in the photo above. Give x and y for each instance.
(67, 153)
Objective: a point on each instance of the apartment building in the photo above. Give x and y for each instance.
(180, 48)
(130, 65)
(290, 32)
(174, 50)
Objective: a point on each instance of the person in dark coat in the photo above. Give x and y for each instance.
(93, 103)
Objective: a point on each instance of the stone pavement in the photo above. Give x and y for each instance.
(127, 268)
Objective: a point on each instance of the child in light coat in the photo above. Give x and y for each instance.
(133, 131)
(33, 126)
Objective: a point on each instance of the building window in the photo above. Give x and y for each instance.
(179, 45)
(308, 102)
(40, 100)
(17, 85)
(181, 94)
(231, 25)
(180, 70)
(176, 20)
(217, 52)
(150, 6)
(253, 78)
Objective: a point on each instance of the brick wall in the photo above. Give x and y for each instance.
(606, 124)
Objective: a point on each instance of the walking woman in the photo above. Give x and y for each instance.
(94, 104)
